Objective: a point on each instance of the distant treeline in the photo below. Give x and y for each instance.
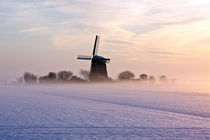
(69, 77)
(53, 77)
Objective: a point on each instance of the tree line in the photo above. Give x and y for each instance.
(68, 77)
(128, 75)
(53, 77)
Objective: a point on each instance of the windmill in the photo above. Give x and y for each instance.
(98, 70)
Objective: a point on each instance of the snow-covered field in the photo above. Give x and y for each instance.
(111, 111)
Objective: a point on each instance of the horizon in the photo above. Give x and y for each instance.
(155, 37)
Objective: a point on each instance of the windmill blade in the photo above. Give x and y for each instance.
(107, 60)
(96, 44)
(84, 57)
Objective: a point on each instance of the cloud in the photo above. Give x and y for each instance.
(203, 41)
(118, 42)
(128, 15)
(163, 53)
(141, 29)
(34, 29)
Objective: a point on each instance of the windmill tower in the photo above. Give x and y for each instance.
(98, 70)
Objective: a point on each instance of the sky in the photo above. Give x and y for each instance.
(170, 37)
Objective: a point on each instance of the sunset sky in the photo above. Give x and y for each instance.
(156, 37)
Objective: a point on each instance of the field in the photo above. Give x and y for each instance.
(109, 111)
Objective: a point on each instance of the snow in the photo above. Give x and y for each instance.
(109, 111)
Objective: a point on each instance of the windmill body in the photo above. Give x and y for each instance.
(98, 70)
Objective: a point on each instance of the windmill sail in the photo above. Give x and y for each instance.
(96, 44)
(84, 57)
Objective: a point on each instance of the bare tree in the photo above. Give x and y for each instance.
(126, 75)
(84, 74)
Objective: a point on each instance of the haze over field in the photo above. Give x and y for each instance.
(97, 111)
(144, 36)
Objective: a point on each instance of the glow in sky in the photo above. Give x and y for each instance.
(157, 37)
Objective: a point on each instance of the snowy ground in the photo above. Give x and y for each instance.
(102, 112)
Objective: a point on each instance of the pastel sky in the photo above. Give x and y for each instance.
(156, 37)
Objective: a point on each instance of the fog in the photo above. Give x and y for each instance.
(176, 86)
(120, 110)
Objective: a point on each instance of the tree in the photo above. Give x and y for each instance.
(126, 75)
(75, 78)
(143, 77)
(29, 78)
(52, 75)
(151, 79)
(84, 74)
(163, 78)
(64, 75)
